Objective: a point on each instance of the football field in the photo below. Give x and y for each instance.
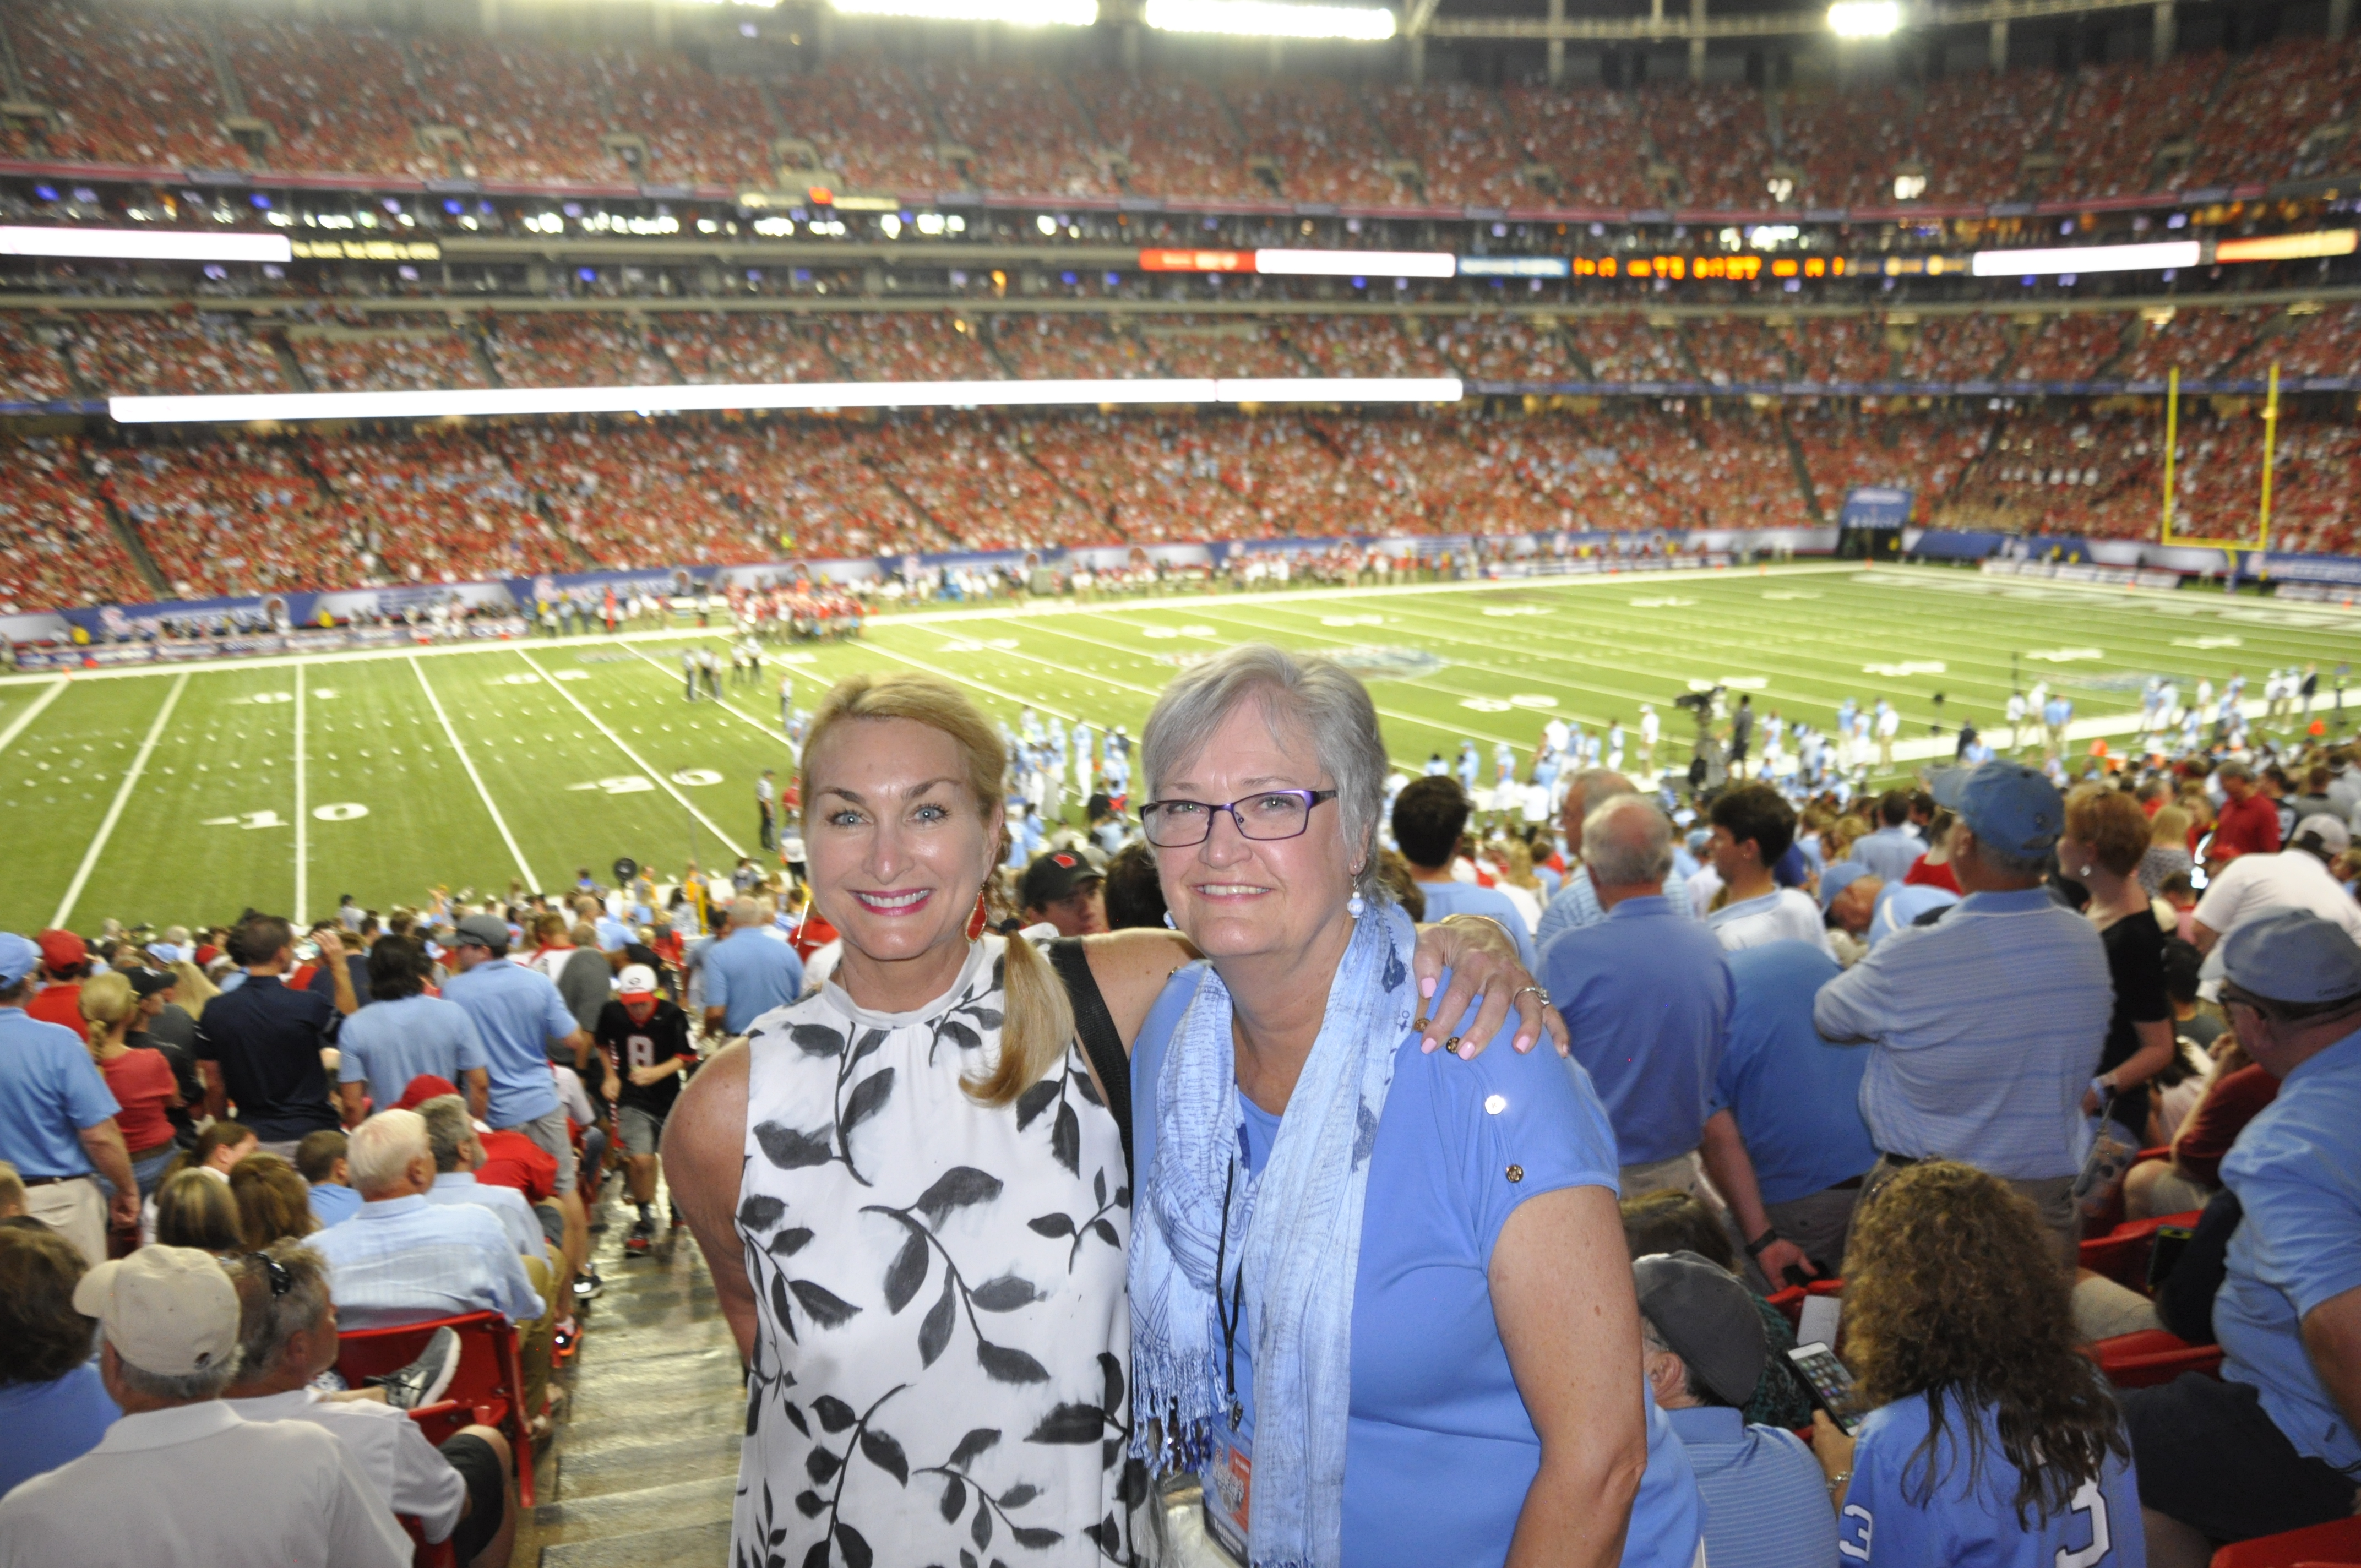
(186, 794)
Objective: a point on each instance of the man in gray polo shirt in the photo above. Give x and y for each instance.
(1986, 1028)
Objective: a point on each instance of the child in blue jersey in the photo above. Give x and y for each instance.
(1993, 1441)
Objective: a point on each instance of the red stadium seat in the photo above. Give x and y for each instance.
(1790, 1303)
(2121, 1254)
(2151, 1356)
(487, 1390)
(2337, 1542)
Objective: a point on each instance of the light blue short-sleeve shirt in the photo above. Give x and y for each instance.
(2297, 1171)
(747, 974)
(1439, 1450)
(1797, 1097)
(387, 1044)
(517, 1011)
(49, 1092)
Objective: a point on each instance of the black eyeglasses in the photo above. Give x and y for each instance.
(1268, 815)
(281, 1281)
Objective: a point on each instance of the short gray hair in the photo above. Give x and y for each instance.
(186, 1389)
(266, 1322)
(1627, 841)
(448, 1128)
(382, 1148)
(745, 912)
(1318, 698)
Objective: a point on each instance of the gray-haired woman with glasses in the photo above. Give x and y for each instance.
(1380, 1299)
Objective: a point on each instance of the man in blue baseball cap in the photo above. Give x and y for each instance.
(57, 1119)
(1984, 1027)
(2271, 1445)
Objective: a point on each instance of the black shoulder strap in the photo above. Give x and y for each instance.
(1101, 1041)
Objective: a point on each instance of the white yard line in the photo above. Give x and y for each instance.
(474, 777)
(8, 736)
(660, 781)
(122, 798)
(302, 814)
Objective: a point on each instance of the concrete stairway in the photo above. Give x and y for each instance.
(644, 1464)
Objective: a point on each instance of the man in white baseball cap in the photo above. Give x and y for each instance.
(182, 1477)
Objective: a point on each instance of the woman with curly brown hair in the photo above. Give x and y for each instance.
(1989, 1438)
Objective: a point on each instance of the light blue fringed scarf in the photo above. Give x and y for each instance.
(1294, 1229)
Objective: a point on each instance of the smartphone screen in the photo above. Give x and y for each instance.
(1831, 1385)
(2170, 1241)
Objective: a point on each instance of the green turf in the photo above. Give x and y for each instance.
(584, 752)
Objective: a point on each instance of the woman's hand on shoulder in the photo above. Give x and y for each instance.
(1484, 968)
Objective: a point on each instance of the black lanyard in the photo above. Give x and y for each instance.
(1231, 1316)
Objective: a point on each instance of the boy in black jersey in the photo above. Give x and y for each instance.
(647, 1043)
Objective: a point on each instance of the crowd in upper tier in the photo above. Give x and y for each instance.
(245, 513)
(146, 87)
(101, 353)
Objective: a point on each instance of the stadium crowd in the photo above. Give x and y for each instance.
(145, 87)
(1978, 1142)
(249, 513)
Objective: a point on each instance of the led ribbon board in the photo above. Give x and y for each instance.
(241, 407)
(142, 245)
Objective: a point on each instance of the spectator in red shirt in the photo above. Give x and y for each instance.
(2248, 823)
(141, 1080)
(64, 962)
(2190, 1177)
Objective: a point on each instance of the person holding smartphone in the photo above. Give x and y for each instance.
(1989, 1438)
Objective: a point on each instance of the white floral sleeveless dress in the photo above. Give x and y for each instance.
(941, 1371)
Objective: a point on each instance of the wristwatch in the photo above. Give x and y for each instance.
(1755, 1248)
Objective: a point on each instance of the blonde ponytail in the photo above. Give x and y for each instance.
(106, 1001)
(1039, 1020)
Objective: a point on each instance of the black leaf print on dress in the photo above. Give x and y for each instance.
(818, 1556)
(1053, 1225)
(834, 1414)
(955, 1499)
(1017, 1496)
(1035, 1539)
(1005, 1363)
(822, 1465)
(759, 1212)
(791, 1240)
(905, 1274)
(885, 1453)
(867, 1100)
(956, 1189)
(1069, 1423)
(826, 1309)
(811, 1505)
(1111, 1369)
(791, 1150)
(1034, 1101)
(779, 1304)
(1004, 1294)
(973, 1446)
(935, 1333)
(850, 1542)
(869, 1043)
(816, 1040)
(1066, 1139)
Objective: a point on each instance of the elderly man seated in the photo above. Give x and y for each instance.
(287, 1337)
(181, 1477)
(404, 1260)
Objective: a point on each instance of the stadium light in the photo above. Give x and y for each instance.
(1258, 18)
(1016, 12)
(2084, 258)
(1865, 18)
(143, 244)
(243, 407)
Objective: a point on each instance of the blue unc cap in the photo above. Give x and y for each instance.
(18, 957)
(2007, 805)
(2294, 955)
(1838, 878)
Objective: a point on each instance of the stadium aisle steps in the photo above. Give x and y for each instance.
(644, 1465)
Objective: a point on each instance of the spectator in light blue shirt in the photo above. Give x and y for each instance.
(2271, 1445)
(404, 1033)
(56, 1116)
(518, 1013)
(1786, 1143)
(1575, 903)
(1896, 846)
(1984, 1028)
(1703, 1349)
(1646, 997)
(1429, 817)
(747, 973)
(451, 1135)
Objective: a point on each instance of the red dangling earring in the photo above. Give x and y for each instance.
(975, 921)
